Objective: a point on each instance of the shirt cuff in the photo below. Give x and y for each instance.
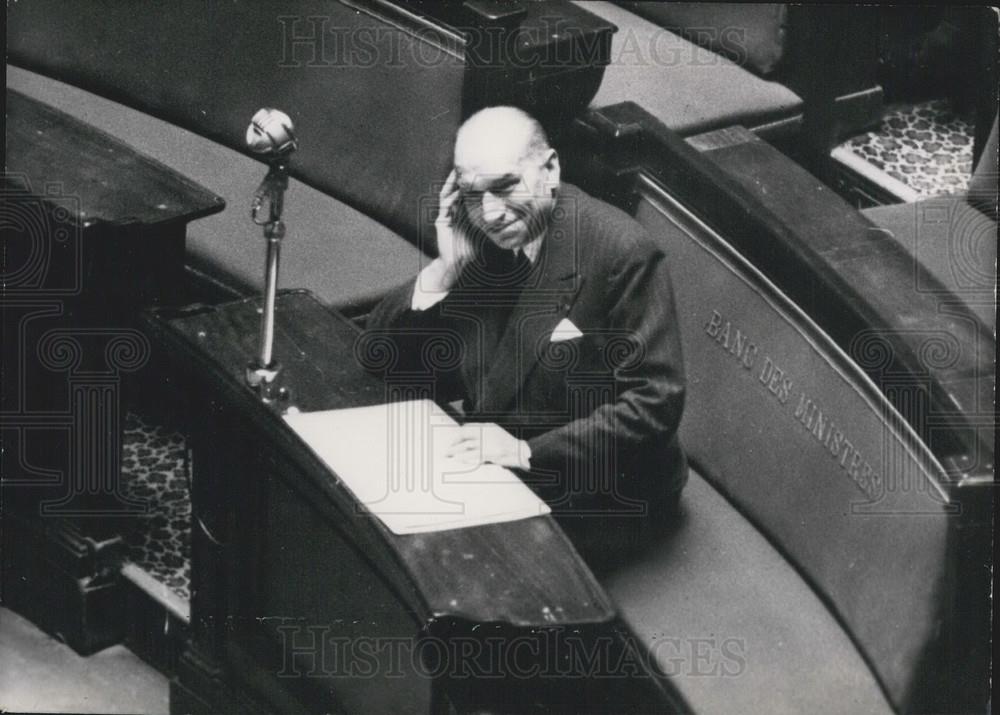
(424, 299)
(524, 456)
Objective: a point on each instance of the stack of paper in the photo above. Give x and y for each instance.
(392, 459)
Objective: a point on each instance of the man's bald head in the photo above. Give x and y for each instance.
(507, 173)
(502, 132)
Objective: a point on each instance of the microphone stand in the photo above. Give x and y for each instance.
(261, 373)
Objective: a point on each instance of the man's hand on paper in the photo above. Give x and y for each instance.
(487, 442)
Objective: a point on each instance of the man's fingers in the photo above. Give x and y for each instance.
(475, 432)
(449, 183)
(463, 247)
(462, 434)
(449, 192)
(467, 459)
(462, 447)
(466, 448)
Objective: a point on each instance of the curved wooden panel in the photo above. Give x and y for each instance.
(817, 252)
(796, 436)
(820, 252)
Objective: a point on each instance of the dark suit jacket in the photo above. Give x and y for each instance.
(600, 412)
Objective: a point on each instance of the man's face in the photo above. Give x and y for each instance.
(505, 195)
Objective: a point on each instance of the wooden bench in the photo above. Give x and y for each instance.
(785, 423)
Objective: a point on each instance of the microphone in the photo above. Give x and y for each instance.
(271, 133)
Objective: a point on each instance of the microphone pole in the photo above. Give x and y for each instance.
(271, 135)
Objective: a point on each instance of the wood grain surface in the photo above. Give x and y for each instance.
(522, 573)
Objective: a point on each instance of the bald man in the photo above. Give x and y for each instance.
(560, 309)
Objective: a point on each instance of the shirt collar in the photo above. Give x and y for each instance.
(532, 248)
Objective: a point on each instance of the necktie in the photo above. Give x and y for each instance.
(508, 271)
(509, 267)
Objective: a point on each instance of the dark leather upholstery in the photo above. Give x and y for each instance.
(983, 184)
(375, 106)
(866, 289)
(732, 623)
(789, 432)
(340, 254)
(768, 397)
(768, 66)
(688, 88)
(954, 237)
(751, 34)
(765, 38)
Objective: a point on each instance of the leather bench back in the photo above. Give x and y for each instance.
(372, 103)
(783, 415)
(795, 436)
(750, 34)
(376, 91)
(983, 185)
(788, 426)
(826, 55)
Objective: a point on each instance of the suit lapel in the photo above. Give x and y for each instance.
(547, 296)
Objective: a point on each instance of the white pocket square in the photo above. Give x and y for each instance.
(565, 331)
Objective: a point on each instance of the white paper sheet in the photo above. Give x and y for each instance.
(392, 459)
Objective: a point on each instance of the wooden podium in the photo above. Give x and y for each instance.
(93, 232)
(291, 576)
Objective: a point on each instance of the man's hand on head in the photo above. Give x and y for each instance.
(476, 443)
(455, 249)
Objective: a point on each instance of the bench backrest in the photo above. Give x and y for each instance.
(787, 425)
(358, 89)
(376, 90)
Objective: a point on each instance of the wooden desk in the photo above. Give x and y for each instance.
(97, 219)
(279, 542)
(93, 231)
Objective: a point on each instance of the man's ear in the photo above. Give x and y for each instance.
(552, 172)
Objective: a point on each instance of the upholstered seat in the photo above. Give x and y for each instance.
(689, 88)
(954, 237)
(732, 623)
(331, 249)
(953, 241)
